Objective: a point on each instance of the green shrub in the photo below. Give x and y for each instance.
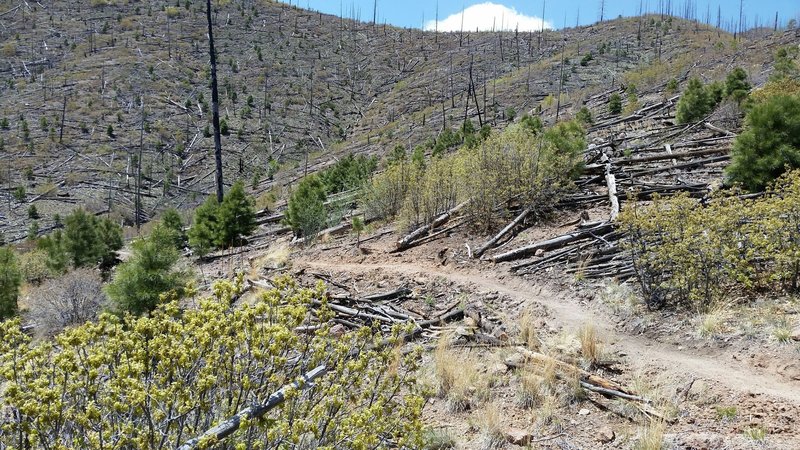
(672, 86)
(9, 283)
(785, 66)
(138, 283)
(350, 172)
(203, 233)
(695, 103)
(236, 217)
(88, 240)
(769, 143)
(736, 85)
(159, 380)
(34, 267)
(19, 194)
(171, 219)
(584, 116)
(306, 212)
(701, 255)
(33, 213)
(615, 104)
(524, 162)
(397, 155)
(33, 231)
(222, 225)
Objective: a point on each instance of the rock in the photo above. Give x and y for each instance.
(338, 330)
(583, 412)
(461, 331)
(499, 369)
(514, 360)
(539, 253)
(519, 437)
(790, 371)
(605, 435)
(796, 334)
(701, 441)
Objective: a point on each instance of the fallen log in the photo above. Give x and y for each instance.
(611, 182)
(550, 244)
(586, 377)
(353, 313)
(491, 242)
(230, 425)
(718, 130)
(670, 155)
(391, 295)
(686, 165)
(406, 241)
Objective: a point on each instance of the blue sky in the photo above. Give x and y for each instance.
(522, 13)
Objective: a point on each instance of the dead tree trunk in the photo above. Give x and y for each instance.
(407, 240)
(553, 243)
(215, 104)
(611, 182)
(491, 242)
(229, 426)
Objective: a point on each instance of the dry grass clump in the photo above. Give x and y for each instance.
(459, 380)
(591, 348)
(651, 436)
(621, 298)
(537, 385)
(490, 424)
(528, 331)
(712, 323)
(438, 439)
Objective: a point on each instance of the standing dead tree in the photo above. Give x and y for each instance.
(215, 104)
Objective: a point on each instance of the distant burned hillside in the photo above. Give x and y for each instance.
(97, 96)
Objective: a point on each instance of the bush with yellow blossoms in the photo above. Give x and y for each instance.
(155, 382)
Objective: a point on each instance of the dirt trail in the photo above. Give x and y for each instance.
(717, 366)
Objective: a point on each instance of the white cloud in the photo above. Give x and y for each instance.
(487, 16)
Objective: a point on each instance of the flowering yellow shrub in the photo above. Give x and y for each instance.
(155, 382)
(690, 253)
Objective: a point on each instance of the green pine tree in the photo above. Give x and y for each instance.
(10, 281)
(139, 282)
(172, 220)
(615, 104)
(204, 230)
(769, 144)
(695, 103)
(53, 245)
(236, 217)
(736, 85)
(306, 213)
(80, 238)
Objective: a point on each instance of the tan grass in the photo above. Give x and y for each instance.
(490, 423)
(458, 378)
(651, 436)
(591, 348)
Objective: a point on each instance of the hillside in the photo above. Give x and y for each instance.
(87, 88)
(548, 250)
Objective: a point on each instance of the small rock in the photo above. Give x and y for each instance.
(796, 334)
(538, 253)
(605, 435)
(583, 412)
(514, 360)
(462, 331)
(519, 437)
(499, 369)
(338, 330)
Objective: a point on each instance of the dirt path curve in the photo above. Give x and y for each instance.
(641, 350)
